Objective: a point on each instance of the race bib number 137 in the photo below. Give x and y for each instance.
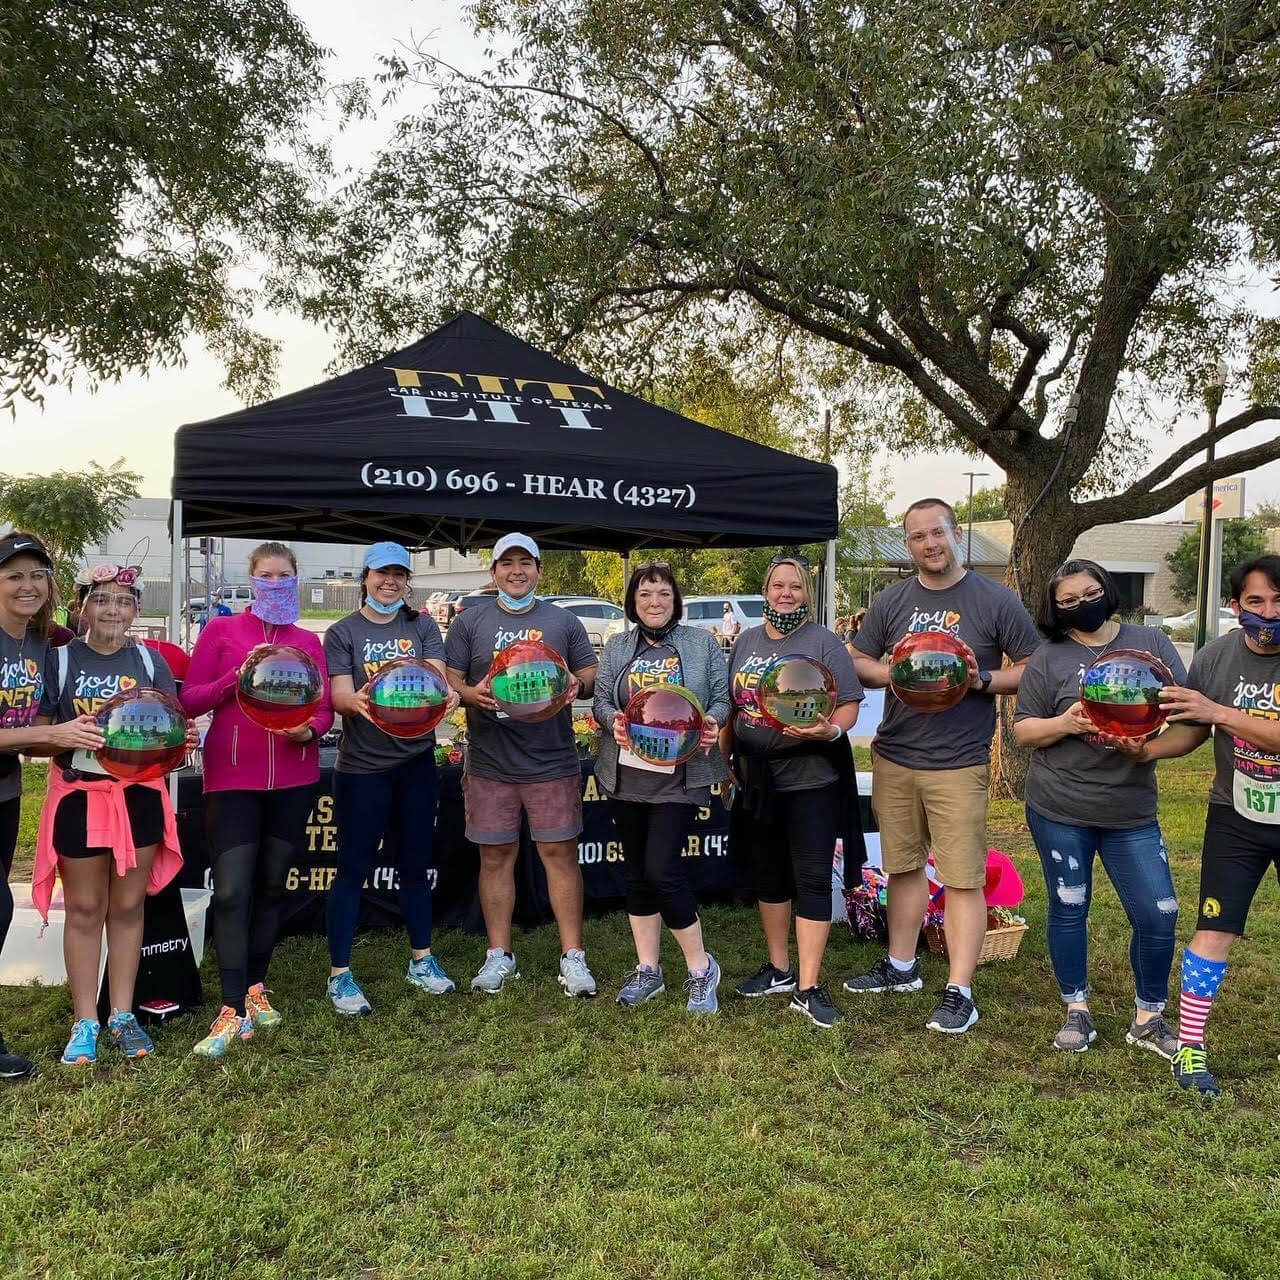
(1256, 799)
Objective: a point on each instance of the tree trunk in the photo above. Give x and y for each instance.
(1045, 543)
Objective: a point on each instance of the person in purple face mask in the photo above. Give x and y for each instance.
(1233, 692)
(259, 787)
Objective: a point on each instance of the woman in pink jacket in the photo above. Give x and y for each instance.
(259, 786)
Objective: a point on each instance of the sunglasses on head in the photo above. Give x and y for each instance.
(783, 558)
(653, 564)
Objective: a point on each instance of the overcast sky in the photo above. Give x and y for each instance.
(136, 418)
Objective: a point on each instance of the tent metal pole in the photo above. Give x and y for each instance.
(175, 574)
(626, 570)
(830, 602)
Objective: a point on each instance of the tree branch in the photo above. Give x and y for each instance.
(1162, 471)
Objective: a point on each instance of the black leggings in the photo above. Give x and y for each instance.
(10, 811)
(790, 855)
(254, 836)
(653, 838)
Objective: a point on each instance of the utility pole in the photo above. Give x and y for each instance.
(968, 553)
(1207, 592)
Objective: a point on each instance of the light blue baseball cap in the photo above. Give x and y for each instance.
(383, 555)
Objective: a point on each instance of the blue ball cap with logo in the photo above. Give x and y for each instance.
(383, 555)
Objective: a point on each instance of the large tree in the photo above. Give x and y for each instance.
(1018, 230)
(149, 148)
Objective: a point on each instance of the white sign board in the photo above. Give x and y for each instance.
(1228, 500)
(317, 595)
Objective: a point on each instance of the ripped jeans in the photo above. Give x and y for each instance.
(1138, 867)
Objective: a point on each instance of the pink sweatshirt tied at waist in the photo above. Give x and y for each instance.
(238, 754)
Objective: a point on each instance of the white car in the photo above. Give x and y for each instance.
(601, 618)
(236, 598)
(1226, 620)
(707, 612)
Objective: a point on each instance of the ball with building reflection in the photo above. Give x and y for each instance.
(280, 687)
(144, 735)
(408, 697)
(1120, 693)
(929, 671)
(530, 681)
(664, 724)
(794, 691)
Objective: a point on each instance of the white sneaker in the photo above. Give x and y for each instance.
(497, 968)
(575, 977)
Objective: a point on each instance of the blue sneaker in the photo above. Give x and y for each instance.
(427, 974)
(702, 988)
(131, 1039)
(82, 1048)
(641, 984)
(345, 995)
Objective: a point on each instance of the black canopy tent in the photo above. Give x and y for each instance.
(470, 433)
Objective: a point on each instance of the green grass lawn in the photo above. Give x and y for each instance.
(532, 1136)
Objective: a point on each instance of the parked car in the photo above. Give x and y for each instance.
(473, 598)
(443, 606)
(601, 618)
(707, 612)
(1226, 620)
(236, 598)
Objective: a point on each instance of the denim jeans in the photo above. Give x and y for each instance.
(1138, 866)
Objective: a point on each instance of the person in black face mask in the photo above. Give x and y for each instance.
(1085, 798)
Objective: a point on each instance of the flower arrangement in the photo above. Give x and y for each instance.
(586, 735)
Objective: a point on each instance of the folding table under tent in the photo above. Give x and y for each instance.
(470, 433)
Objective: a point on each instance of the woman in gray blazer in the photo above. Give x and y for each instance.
(653, 806)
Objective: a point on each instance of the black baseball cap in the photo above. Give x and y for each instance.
(17, 544)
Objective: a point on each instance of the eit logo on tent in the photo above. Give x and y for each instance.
(489, 397)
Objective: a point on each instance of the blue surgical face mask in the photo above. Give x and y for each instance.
(1262, 631)
(517, 604)
(385, 609)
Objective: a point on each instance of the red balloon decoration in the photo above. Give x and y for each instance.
(280, 687)
(530, 681)
(408, 697)
(929, 671)
(144, 735)
(794, 691)
(1120, 693)
(664, 724)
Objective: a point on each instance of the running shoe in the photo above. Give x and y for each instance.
(1191, 1070)
(815, 1004)
(575, 977)
(12, 1065)
(427, 974)
(702, 988)
(641, 984)
(130, 1038)
(345, 995)
(82, 1048)
(498, 966)
(955, 1015)
(1156, 1035)
(883, 976)
(258, 1009)
(1077, 1033)
(768, 980)
(227, 1027)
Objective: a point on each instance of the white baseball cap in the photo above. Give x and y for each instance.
(521, 540)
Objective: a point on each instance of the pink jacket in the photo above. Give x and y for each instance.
(107, 827)
(238, 755)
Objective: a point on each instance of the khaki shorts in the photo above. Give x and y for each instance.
(554, 809)
(938, 810)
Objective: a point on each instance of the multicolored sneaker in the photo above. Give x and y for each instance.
(1155, 1034)
(130, 1038)
(227, 1027)
(1191, 1070)
(345, 995)
(258, 1010)
(427, 974)
(82, 1048)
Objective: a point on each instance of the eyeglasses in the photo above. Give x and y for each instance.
(923, 536)
(101, 601)
(1089, 597)
(17, 577)
(783, 558)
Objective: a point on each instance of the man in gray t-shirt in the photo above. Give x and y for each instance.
(930, 770)
(514, 766)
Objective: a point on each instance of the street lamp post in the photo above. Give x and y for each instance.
(968, 551)
(1207, 592)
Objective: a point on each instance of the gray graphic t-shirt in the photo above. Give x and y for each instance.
(1079, 779)
(1246, 777)
(499, 747)
(991, 620)
(356, 647)
(22, 677)
(752, 653)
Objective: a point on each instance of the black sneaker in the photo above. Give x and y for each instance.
(770, 981)
(816, 1005)
(882, 976)
(1191, 1070)
(955, 1015)
(12, 1067)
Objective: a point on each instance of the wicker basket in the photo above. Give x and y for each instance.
(1000, 943)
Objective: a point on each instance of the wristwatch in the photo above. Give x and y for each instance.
(985, 677)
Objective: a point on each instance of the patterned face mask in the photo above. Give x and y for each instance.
(786, 622)
(1262, 631)
(275, 600)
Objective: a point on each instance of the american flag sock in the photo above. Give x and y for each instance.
(1201, 980)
